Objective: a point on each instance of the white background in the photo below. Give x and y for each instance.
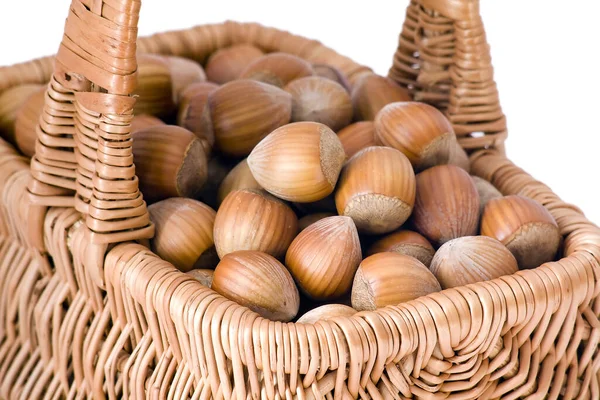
(545, 54)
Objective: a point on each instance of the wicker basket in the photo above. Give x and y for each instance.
(82, 316)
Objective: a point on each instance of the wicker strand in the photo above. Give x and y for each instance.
(53, 165)
(37, 71)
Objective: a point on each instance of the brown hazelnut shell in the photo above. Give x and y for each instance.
(373, 92)
(459, 157)
(405, 242)
(332, 73)
(326, 312)
(258, 281)
(357, 136)
(243, 112)
(227, 64)
(184, 72)
(194, 113)
(418, 130)
(170, 162)
(376, 189)
(385, 279)
(154, 88)
(446, 205)
(143, 121)
(321, 100)
(471, 259)
(184, 233)
(323, 257)
(240, 177)
(277, 69)
(486, 191)
(298, 162)
(251, 220)
(524, 226)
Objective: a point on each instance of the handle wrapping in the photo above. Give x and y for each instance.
(443, 57)
(95, 75)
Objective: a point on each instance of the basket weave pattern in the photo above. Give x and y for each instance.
(82, 317)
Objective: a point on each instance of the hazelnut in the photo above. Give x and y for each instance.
(385, 279)
(378, 201)
(405, 242)
(447, 204)
(277, 69)
(524, 226)
(418, 130)
(258, 281)
(184, 233)
(459, 157)
(227, 64)
(373, 92)
(472, 259)
(332, 73)
(154, 88)
(170, 161)
(326, 312)
(194, 113)
(143, 121)
(486, 191)
(243, 112)
(184, 72)
(323, 257)
(238, 178)
(298, 162)
(357, 136)
(251, 220)
(320, 100)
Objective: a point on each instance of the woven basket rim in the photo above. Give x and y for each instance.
(591, 253)
(39, 70)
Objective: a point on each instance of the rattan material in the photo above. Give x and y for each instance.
(72, 326)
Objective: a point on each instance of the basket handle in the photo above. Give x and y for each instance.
(443, 57)
(89, 105)
(84, 155)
